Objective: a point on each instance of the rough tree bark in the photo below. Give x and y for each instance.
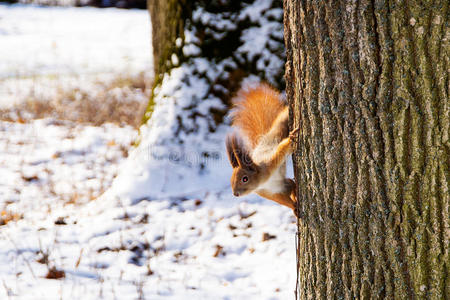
(368, 84)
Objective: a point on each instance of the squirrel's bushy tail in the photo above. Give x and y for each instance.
(255, 110)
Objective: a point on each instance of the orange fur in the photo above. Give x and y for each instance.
(281, 198)
(256, 110)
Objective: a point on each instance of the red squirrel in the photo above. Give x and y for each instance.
(257, 152)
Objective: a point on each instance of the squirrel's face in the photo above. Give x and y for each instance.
(245, 178)
(244, 181)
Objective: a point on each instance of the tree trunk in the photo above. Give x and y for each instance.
(168, 17)
(368, 84)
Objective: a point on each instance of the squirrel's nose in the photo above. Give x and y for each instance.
(236, 194)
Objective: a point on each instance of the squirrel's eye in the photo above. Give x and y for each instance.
(244, 179)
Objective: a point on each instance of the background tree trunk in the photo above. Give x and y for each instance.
(368, 84)
(168, 18)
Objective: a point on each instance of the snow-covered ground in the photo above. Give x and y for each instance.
(48, 49)
(207, 246)
(184, 236)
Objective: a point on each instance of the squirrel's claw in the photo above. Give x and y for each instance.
(293, 133)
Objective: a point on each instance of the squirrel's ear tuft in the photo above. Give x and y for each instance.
(242, 154)
(230, 151)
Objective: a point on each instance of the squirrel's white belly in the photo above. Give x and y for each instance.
(264, 151)
(275, 183)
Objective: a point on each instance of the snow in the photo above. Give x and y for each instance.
(56, 163)
(167, 225)
(47, 47)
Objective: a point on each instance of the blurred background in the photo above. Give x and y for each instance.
(71, 68)
(79, 3)
(113, 179)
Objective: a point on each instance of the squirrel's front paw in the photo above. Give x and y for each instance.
(293, 135)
